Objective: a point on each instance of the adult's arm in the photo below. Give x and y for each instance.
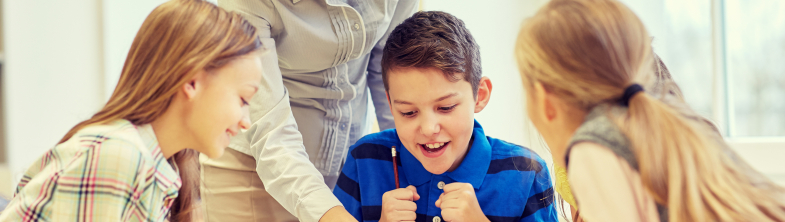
(403, 10)
(275, 142)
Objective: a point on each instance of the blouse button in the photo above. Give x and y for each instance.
(437, 219)
(440, 185)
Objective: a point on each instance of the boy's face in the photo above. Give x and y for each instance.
(434, 117)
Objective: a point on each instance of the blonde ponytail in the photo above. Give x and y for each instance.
(587, 52)
(700, 182)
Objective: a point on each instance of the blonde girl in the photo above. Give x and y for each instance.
(183, 90)
(630, 154)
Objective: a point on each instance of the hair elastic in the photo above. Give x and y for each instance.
(629, 92)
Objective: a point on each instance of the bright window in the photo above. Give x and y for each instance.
(755, 61)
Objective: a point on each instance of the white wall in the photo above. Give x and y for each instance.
(121, 19)
(62, 61)
(53, 64)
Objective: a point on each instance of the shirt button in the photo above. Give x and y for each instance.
(343, 126)
(440, 185)
(356, 26)
(437, 219)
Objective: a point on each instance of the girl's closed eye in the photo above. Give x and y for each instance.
(245, 103)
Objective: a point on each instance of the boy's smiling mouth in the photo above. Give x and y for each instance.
(433, 150)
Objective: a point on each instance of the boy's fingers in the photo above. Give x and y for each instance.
(452, 215)
(406, 206)
(404, 194)
(446, 204)
(406, 215)
(450, 196)
(439, 201)
(457, 186)
(399, 194)
(414, 192)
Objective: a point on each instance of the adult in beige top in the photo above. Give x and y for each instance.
(321, 66)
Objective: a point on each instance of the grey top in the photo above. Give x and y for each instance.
(599, 128)
(321, 64)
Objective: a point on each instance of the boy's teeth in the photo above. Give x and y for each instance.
(434, 145)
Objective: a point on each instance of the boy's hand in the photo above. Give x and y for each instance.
(459, 203)
(398, 205)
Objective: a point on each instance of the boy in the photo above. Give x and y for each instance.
(448, 169)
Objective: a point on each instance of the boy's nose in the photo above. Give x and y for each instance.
(429, 126)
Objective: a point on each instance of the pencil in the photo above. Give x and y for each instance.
(395, 169)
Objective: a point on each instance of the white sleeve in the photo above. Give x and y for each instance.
(275, 142)
(403, 10)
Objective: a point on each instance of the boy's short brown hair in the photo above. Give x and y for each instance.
(433, 39)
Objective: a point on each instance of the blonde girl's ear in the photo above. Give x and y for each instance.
(546, 109)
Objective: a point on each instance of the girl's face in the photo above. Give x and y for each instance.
(220, 108)
(554, 119)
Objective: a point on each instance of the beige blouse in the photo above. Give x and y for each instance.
(606, 187)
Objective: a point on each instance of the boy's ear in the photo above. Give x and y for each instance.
(545, 102)
(483, 94)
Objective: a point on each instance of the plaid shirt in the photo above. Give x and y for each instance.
(112, 172)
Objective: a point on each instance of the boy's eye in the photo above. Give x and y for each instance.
(447, 108)
(245, 103)
(408, 114)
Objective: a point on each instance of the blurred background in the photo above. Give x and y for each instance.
(60, 61)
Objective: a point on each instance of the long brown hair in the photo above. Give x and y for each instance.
(587, 52)
(177, 40)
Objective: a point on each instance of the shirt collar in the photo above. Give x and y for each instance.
(167, 173)
(472, 170)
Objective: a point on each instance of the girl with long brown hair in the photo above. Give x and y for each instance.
(183, 90)
(632, 152)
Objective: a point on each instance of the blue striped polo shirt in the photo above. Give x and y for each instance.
(512, 183)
